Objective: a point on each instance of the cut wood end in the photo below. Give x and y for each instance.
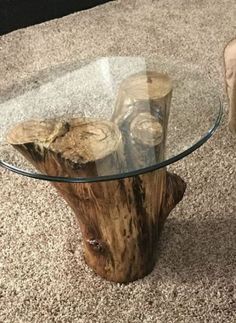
(146, 129)
(148, 85)
(88, 140)
(36, 131)
(79, 140)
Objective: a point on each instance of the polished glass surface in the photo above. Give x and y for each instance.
(100, 89)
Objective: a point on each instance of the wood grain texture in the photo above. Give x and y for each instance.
(141, 113)
(120, 220)
(230, 80)
(77, 147)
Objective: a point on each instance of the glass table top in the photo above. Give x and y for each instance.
(105, 119)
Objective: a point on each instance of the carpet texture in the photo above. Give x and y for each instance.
(43, 277)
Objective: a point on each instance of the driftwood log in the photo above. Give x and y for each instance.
(230, 80)
(120, 220)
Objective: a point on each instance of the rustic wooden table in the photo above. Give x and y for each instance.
(98, 132)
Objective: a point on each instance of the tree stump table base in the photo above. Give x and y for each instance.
(120, 220)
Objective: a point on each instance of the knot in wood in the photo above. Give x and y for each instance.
(96, 245)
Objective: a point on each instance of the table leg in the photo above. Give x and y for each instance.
(121, 220)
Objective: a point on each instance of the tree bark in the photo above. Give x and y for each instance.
(120, 220)
(230, 80)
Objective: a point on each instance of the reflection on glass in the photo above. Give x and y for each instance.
(111, 117)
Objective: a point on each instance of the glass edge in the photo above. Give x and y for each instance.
(141, 171)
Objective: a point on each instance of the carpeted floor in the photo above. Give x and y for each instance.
(43, 277)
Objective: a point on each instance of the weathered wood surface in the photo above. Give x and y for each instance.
(120, 220)
(77, 147)
(141, 113)
(230, 80)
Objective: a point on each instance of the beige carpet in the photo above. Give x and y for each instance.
(43, 277)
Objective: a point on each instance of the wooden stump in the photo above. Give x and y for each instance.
(120, 220)
(230, 80)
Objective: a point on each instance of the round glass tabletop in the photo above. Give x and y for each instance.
(106, 119)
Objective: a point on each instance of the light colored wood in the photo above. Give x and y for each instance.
(141, 113)
(230, 79)
(91, 147)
